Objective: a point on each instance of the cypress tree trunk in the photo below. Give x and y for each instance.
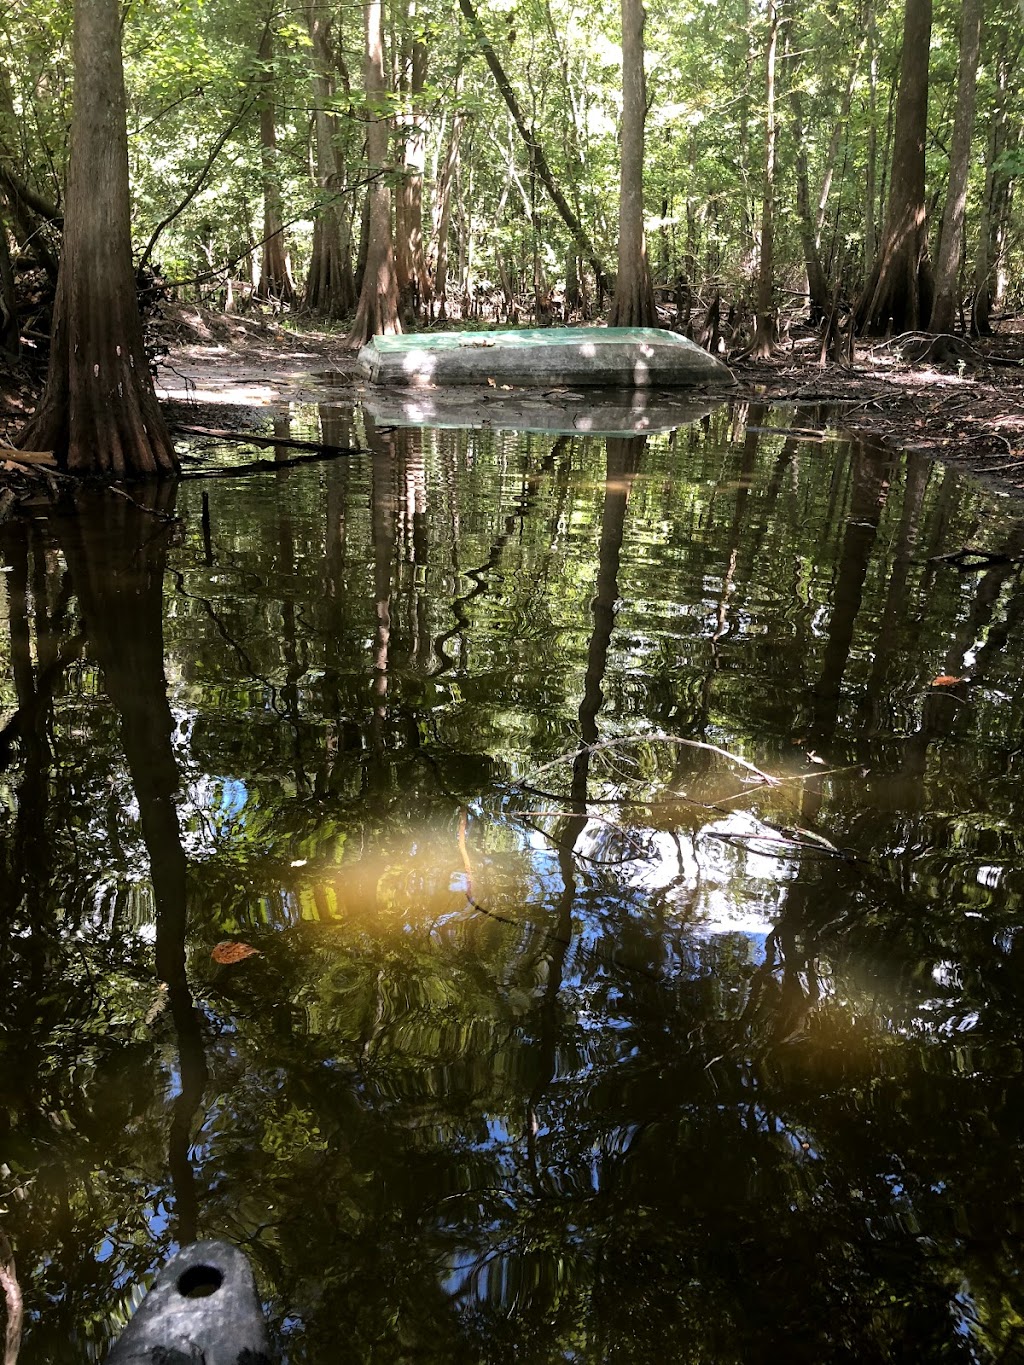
(899, 287)
(634, 297)
(330, 284)
(99, 412)
(377, 313)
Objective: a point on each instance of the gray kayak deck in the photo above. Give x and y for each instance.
(612, 357)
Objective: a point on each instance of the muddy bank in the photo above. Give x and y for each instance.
(963, 403)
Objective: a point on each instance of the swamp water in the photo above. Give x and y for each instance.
(564, 1039)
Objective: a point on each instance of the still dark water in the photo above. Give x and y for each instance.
(565, 1040)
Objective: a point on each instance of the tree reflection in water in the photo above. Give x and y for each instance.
(551, 1050)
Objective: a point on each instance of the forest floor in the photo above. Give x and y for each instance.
(966, 407)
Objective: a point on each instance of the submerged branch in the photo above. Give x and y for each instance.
(661, 737)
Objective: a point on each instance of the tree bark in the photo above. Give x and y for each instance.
(817, 284)
(569, 218)
(99, 412)
(276, 281)
(765, 329)
(870, 222)
(330, 284)
(377, 312)
(980, 324)
(633, 305)
(443, 216)
(409, 262)
(899, 287)
(947, 268)
(10, 339)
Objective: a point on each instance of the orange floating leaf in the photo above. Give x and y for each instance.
(228, 952)
(946, 680)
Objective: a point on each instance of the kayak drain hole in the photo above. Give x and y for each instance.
(199, 1282)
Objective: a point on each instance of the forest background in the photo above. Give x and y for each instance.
(781, 168)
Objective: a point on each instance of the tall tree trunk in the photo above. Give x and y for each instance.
(99, 412)
(276, 270)
(870, 225)
(330, 284)
(817, 284)
(633, 305)
(765, 330)
(569, 218)
(899, 287)
(947, 268)
(410, 267)
(980, 324)
(438, 262)
(377, 312)
(10, 339)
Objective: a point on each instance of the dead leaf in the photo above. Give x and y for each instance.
(946, 680)
(228, 952)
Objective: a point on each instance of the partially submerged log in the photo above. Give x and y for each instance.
(617, 357)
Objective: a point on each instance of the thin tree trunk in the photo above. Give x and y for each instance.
(832, 155)
(409, 261)
(572, 222)
(870, 230)
(276, 271)
(947, 268)
(10, 340)
(443, 216)
(99, 413)
(980, 324)
(817, 284)
(765, 330)
(634, 298)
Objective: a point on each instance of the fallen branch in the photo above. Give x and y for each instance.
(254, 439)
(971, 560)
(659, 736)
(319, 451)
(826, 849)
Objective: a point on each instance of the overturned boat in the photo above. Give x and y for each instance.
(608, 357)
